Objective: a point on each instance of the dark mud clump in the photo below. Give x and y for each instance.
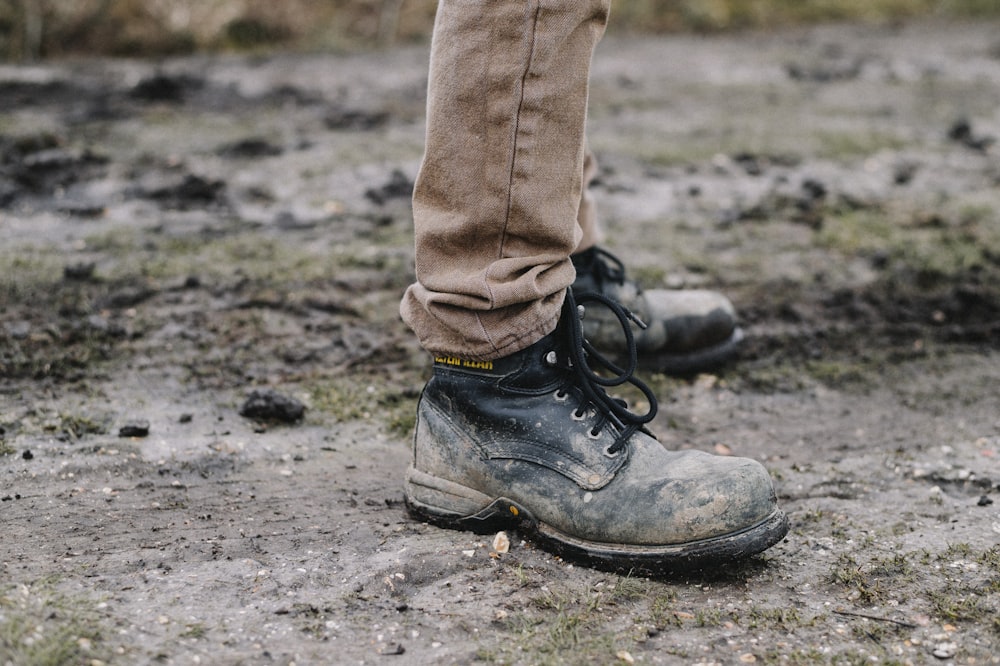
(268, 405)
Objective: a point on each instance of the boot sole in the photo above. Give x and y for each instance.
(700, 360)
(502, 513)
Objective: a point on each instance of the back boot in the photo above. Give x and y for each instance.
(688, 330)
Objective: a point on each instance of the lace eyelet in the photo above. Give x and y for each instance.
(612, 454)
(577, 415)
(561, 396)
(551, 358)
(594, 434)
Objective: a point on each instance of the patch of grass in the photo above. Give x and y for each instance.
(771, 379)
(944, 243)
(948, 585)
(357, 400)
(798, 657)
(76, 426)
(844, 145)
(561, 626)
(722, 15)
(872, 582)
(649, 276)
(710, 617)
(840, 373)
(195, 631)
(28, 274)
(954, 607)
(42, 627)
(662, 612)
(781, 619)
(628, 589)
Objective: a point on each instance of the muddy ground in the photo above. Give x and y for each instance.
(178, 234)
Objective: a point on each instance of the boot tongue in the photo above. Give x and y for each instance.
(585, 264)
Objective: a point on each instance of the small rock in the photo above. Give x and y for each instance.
(398, 187)
(961, 132)
(19, 330)
(353, 119)
(945, 650)
(137, 428)
(393, 650)
(192, 191)
(269, 405)
(164, 88)
(27, 455)
(501, 542)
(79, 272)
(250, 147)
(984, 501)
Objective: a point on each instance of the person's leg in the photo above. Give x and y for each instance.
(496, 199)
(688, 330)
(514, 427)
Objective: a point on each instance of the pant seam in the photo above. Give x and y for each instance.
(513, 162)
(516, 133)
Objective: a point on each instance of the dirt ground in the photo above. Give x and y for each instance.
(178, 234)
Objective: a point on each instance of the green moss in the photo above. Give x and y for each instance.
(76, 426)
(785, 619)
(870, 582)
(841, 373)
(42, 627)
(353, 400)
(844, 145)
(944, 243)
(956, 607)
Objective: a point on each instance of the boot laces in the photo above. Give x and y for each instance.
(603, 266)
(582, 360)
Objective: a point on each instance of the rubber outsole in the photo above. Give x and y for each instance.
(503, 513)
(701, 360)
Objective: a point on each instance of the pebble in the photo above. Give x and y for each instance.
(501, 542)
(945, 650)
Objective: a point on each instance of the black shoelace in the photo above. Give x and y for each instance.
(583, 357)
(601, 265)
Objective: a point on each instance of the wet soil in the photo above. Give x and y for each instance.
(206, 393)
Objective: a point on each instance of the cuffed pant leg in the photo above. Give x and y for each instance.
(496, 201)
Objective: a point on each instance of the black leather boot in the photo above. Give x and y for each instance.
(534, 441)
(688, 330)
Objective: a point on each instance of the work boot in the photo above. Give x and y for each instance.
(687, 330)
(534, 441)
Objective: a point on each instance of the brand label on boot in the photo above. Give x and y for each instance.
(464, 363)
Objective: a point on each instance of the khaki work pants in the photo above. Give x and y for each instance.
(499, 203)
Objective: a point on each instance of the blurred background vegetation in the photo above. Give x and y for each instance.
(34, 29)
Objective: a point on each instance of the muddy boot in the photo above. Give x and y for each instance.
(533, 441)
(688, 330)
